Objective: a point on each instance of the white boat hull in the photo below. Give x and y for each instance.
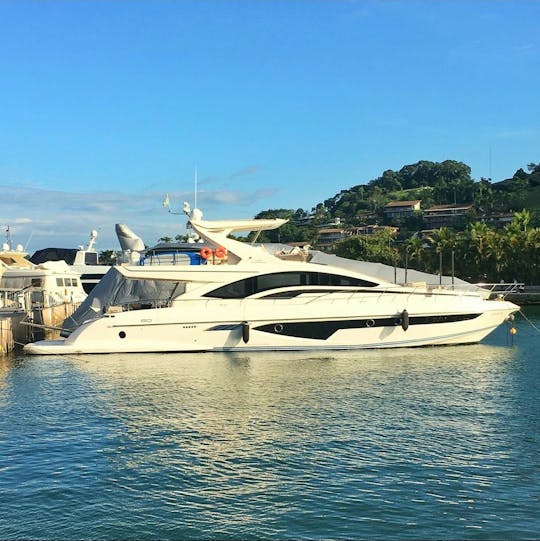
(297, 324)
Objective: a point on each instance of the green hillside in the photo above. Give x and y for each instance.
(434, 183)
(497, 238)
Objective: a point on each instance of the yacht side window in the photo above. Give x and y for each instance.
(256, 284)
(59, 282)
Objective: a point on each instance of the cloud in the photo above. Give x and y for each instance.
(525, 47)
(251, 170)
(515, 134)
(42, 217)
(229, 197)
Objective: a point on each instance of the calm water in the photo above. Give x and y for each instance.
(413, 444)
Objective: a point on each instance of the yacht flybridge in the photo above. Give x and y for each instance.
(236, 296)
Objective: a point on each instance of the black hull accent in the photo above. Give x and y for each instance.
(89, 281)
(322, 330)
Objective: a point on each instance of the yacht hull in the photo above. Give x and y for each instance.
(296, 324)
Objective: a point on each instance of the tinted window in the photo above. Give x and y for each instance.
(91, 258)
(281, 279)
(256, 284)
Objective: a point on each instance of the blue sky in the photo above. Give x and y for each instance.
(105, 106)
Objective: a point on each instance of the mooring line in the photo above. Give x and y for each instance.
(529, 321)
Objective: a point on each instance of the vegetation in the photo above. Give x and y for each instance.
(435, 184)
(482, 252)
(476, 247)
(292, 231)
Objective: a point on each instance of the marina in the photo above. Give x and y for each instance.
(325, 322)
(35, 299)
(233, 296)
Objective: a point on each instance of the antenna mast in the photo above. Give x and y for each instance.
(8, 237)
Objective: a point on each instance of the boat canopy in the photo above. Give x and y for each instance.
(116, 292)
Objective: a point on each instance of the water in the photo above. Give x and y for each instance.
(411, 444)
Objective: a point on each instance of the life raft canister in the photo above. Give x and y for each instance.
(220, 252)
(205, 252)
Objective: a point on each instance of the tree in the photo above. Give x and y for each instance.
(289, 232)
(320, 214)
(442, 242)
(521, 220)
(389, 181)
(107, 257)
(378, 247)
(415, 248)
(478, 251)
(482, 195)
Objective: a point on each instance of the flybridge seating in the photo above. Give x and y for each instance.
(178, 257)
(184, 253)
(171, 257)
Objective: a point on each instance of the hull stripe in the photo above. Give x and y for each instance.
(322, 330)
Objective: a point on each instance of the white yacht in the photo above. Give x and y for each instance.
(238, 296)
(54, 281)
(36, 298)
(84, 261)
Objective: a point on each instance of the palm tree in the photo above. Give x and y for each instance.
(415, 249)
(480, 244)
(521, 220)
(443, 241)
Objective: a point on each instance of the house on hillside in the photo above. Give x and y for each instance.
(335, 222)
(303, 220)
(329, 237)
(371, 230)
(500, 220)
(401, 209)
(439, 216)
(366, 216)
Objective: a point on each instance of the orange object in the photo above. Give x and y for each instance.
(220, 252)
(205, 252)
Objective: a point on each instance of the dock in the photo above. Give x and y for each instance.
(527, 295)
(20, 326)
(10, 329)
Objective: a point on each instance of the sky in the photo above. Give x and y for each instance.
(106, 106)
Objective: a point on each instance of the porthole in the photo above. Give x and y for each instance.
(122, 334)
(278, 327)
(398, 321)
(370, 322)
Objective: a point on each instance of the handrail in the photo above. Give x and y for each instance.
(503, 288)
(146, 304)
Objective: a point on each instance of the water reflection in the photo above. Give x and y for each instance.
(220, 408)
(389, 443)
